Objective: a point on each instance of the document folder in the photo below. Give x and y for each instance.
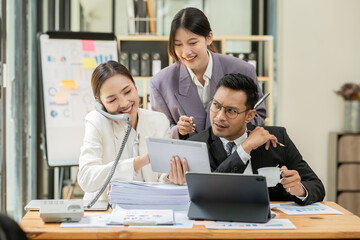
(228, 197)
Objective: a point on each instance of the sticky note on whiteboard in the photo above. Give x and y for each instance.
(88, 45)
(69, 84)
(60, 98)
(89, 63)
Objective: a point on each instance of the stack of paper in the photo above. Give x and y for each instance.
(142, 195)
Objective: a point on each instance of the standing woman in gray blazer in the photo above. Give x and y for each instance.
(183, 90)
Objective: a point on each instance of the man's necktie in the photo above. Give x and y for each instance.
(229, 147)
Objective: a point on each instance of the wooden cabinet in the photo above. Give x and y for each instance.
(159, 44)
(344, 170)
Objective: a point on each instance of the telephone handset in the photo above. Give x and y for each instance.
(119, 117)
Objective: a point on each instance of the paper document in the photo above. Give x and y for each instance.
(90, 220)
(274, 205)
(315, 208)
(272, 224)
(181, 222)
(141, 217)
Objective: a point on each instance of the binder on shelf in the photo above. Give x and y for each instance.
(156, 63)
(148, 106)
(242, 56)
(248, 57)
(142, 103)
(251, 58)
(145, 64)
(124, 59)
(135, 64)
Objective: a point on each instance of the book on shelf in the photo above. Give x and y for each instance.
(160, 15)
(141, 15)
(131, 16)
(151, 16)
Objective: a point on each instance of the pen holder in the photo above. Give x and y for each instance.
(352, 116)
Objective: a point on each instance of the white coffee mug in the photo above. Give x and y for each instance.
(272, 175)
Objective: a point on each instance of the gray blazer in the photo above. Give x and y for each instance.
(173, 93)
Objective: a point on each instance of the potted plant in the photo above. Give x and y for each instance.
(351, 94)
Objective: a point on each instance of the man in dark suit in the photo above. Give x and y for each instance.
(237, 146)
(10, 230)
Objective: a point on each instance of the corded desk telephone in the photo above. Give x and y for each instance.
(73, 210)
(68, 210)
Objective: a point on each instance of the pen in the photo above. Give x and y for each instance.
(191, 122)
(261, 100)
(279, 143)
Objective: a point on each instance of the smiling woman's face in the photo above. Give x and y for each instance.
(119, 95)
(192, 49)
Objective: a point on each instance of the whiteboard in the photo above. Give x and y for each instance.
(67, 60)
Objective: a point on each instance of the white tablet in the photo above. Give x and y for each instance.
(161, 150)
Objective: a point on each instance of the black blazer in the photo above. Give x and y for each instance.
(260, 157)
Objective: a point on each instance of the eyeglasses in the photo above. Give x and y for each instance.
(230, 112)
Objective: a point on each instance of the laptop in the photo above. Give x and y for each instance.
(161, 150)
(228, 197)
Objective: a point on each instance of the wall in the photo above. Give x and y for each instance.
(318, 50)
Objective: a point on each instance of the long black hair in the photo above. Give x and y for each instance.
(191, 19)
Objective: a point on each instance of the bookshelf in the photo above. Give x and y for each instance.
(158, 44)
(344, 168)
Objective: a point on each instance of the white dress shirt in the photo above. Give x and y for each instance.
(204, 91)
(243, 155)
